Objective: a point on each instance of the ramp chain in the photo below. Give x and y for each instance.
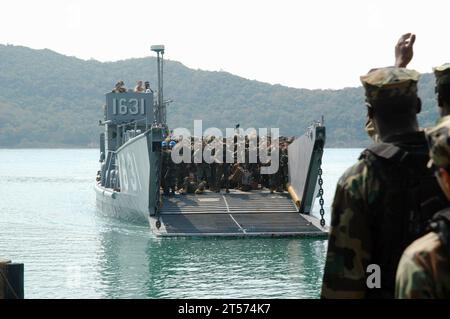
(157, 186)
(321, 201)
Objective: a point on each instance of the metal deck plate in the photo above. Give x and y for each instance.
(273, 222)
(235, 202)
(199, 223)
(256, 213)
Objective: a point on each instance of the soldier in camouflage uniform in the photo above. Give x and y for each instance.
(275, 180)
(189, 185)
(181, 171)
(382, 202)
(284, 163)
(442, 74)
(225, 168)
(168, 172)
(203, 168)
(424, 269)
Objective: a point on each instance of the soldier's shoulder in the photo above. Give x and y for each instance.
(423, 271)
(358, 173)
(421, 255)
(361, 181)
(424, 245)
(359, 168)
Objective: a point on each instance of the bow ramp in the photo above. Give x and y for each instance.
(237, 214)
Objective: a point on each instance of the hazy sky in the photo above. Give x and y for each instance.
(304, 44)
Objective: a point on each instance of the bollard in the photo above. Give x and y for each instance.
(11, 280)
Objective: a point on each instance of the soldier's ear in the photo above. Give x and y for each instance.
(444, 181)
(419, 105)
(369, 110)
(440, 101)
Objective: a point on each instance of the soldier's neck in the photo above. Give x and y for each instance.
(445, 110)
(385, 133)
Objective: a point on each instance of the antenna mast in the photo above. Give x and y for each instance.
(161, 107)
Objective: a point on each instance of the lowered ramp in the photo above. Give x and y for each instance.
(237, 214)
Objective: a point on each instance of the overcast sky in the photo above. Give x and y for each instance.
(303, 44)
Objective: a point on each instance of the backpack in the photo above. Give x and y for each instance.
(410, 196)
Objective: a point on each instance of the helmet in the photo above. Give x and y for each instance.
(164, 144)
(172, 144)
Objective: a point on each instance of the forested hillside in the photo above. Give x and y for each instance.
(51, 100)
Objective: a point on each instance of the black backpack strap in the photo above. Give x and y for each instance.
(388, 151)
(394, 153)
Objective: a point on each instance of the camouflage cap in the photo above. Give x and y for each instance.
(392, 81)
(439, 142)
(442, 74)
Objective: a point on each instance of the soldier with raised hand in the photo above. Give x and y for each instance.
(424, 269)
(383, 202)
(403, 55)
(404, 50)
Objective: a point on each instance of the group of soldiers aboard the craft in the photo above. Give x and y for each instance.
(195, 178)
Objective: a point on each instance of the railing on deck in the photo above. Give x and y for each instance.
(130, 130)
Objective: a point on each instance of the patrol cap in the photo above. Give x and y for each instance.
(390, 81)
(439, 143)
(442, 74)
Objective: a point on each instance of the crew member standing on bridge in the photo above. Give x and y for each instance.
(120, 87)
(139, 88)
(147, 87)
(382, 202)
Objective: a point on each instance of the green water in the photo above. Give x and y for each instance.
(49, 222)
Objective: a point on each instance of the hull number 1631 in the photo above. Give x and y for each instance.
(128, 106)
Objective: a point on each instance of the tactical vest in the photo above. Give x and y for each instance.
(409, 196)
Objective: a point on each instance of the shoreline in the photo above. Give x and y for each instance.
(97, 147)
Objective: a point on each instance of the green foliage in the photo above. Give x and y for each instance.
(51, 100)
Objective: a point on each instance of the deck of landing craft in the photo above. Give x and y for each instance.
(237, 214)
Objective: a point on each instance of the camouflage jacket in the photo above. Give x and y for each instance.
(355, 231)
(424, 269)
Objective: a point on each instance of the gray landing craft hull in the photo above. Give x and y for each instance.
(132, 202)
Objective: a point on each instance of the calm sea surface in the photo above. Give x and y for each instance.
(49, 222)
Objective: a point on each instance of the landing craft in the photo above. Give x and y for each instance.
(129, 180)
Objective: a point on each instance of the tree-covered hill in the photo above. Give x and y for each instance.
(51, 100)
